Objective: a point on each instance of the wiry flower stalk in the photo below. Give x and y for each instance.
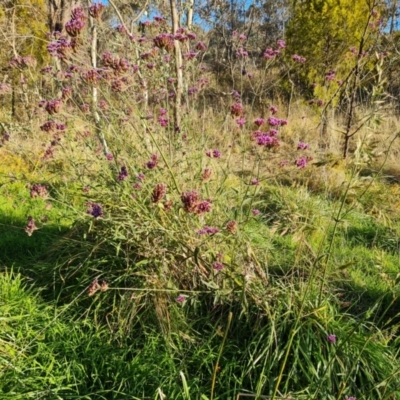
(93, 55)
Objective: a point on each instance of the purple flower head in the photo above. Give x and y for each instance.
(109, 156)
(270, 54)
(75, 26)
(30, 226)
(241, 52)
(140, 177)
(38, 190)
(330, 76)
(272, 132)
(218, 266)
(281, 43)
(159, 192)
(200, 46)
(191, 35)
(163, 121)
(320, 103)
(272, 121)
(159, 19)
(255, 212)
(192, 91)
(164, 41)
(180, 299)
(331, 338)
(303, 146)
(153, 161)
(190, 200)
(241, 121)
(190, 55)
(273, 110)
(259, 121)
(242, 37)
(254, 182)
(61, 126)
(216, 153)
(237, 109)
(123, 174)
(53, 106)
(302, 162)
(208, 230)
(267, 141)
(49, 126)
(95, 210)
(96, 9)
(299, 59)
(203, 207)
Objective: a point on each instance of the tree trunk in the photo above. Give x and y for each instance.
(178, 67)
(58, 13)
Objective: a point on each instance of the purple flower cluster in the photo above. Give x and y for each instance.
(123, 174)
(330, 76)
(273, 110)
(38, 190)
(153, 161)
(201, 46)
(53, 106)
(241, 121)
(192, 203)
(96, 9)
(180, 299)
(270, 54)
(299, 59)
(302, 162)
(95, 210)
(265, 139)
(255, 182)
(208, 230)
(218, 266)
(281, 43)
(303, 146)
(78, 21)
(259, 121)
(30, 226)
(51, 126)
(159, 191)
(164, 41)
(241, 52)
(190, 55)
(163, 121)
(331, 338)
(23, 62)
(61, 47)
(272, 121)
(213, 153)
(237, 109)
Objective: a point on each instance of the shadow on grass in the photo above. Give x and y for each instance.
(21, 251)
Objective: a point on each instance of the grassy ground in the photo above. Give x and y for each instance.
(320, 258)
